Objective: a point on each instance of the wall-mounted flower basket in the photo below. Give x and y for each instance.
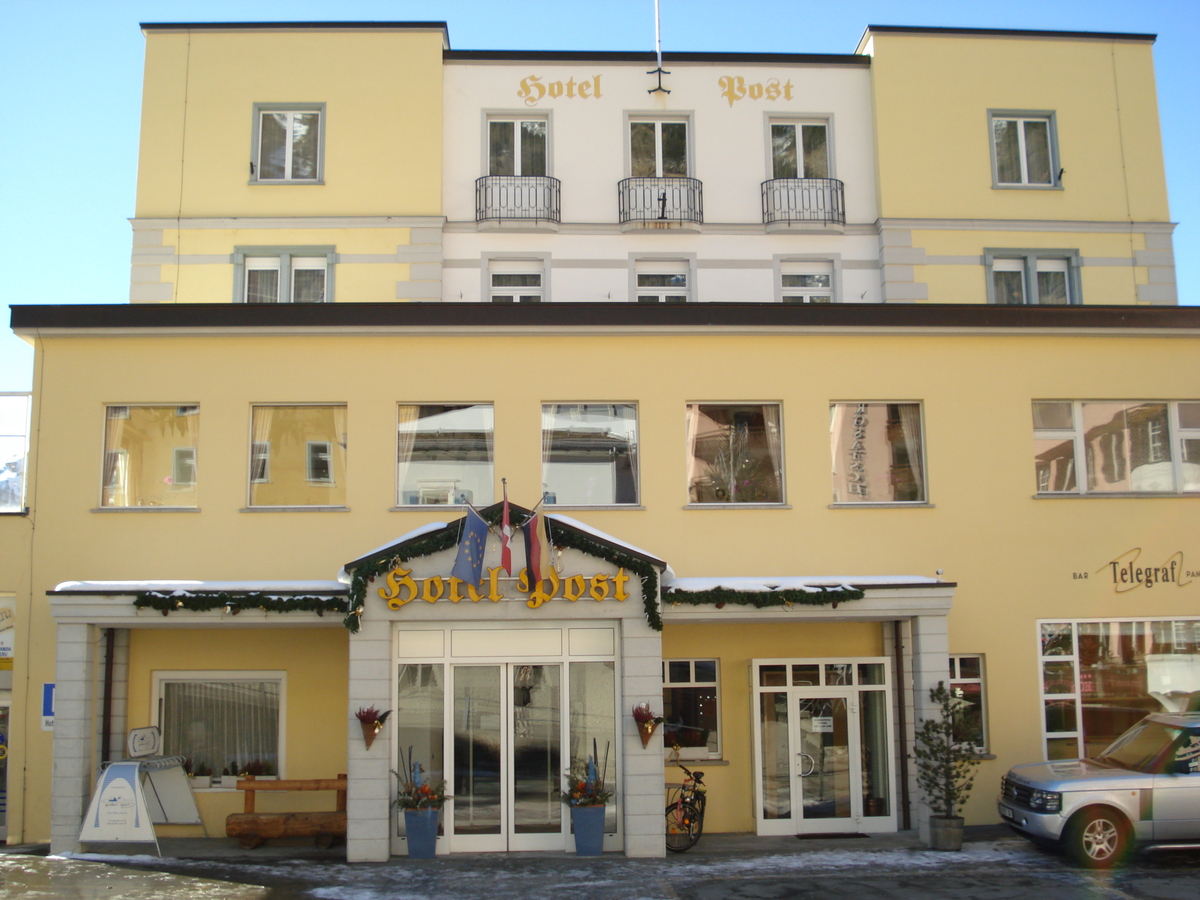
(647, 723)
(371, 720)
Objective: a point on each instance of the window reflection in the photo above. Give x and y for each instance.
(589, 453)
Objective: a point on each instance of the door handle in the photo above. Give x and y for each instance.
(812, 764)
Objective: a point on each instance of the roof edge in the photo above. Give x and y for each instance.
(648, 57)
(1008, 32)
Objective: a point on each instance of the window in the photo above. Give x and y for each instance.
(878, 452)
(967, 686)
(1034, 277)
(658, 149)
(1099, 678)
(225, 722)
(517, 147)
(690, 711)
(516, 280)
(1024, 149)
(1120, 446)
(735, 453)
(806, 282)
(589, 453)
(150, 456)
(444, 454)
(298, 456)
(288, 143)
(662, 280)
(799, 150)
(14, 445)
(283, 274)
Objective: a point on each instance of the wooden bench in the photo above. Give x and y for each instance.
(253, 829)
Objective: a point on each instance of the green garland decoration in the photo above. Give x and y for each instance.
(445, 538)
(763, 599)
(235, 602)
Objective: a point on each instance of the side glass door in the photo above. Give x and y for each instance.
(826, 764)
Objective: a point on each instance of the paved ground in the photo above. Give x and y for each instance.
(994, 865)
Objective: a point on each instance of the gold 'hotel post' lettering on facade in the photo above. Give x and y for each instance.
(402, 588)
(734, 88)
(532, 89)
(1126, 576)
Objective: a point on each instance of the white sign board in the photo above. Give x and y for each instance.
(822, 724)
(118, 810)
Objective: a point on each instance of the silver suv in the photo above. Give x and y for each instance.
(1144, 789)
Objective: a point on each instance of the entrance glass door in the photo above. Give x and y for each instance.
(508, 765)
(823, 746)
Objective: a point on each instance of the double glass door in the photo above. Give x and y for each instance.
(823, 746)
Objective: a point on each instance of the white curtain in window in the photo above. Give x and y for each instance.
(693, 460)
(774, 443)
(115, 490)
(222, 725)
(910, 426)
(549, 412)
(407, 418)
(260, 434)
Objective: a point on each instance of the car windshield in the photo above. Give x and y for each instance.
(1142, 748)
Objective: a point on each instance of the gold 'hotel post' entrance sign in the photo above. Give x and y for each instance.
(401, 588)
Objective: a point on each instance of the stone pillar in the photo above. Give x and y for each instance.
(642, 781)
(368, 799)
(930, 664)
(74, 705)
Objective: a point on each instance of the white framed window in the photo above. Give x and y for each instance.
(14, 448)
(691, 708)
(589, 454)
(1024, 149)
(149, 456)
(1101, 676)
(1032, 277)
(298, 455)
(1119, 446)
(289, 143)
(968, 685)
(260, 461)
(444, 454)
(734, 453)
(320, 461)
(658, 148)
(662, 280)
(800, 150)
(516, 280)
(806, 282)
(517, 146)
(225, 721)
(878, 452)
(283, 274)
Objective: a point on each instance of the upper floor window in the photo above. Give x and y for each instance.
(298, 456)
(662, 280)
(288, 142)
(878, 452)
(516, 280)
(1120, 446)
(1033, 277)
(150, 456)
(1024, 149)
(735, 453)
(444, 454)
(806, 282)
(658, 149)
(589, 453)
(799, 150)
(14, 446)
(283, 274)
(517, 146)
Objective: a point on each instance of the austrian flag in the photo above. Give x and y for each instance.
(505, 535)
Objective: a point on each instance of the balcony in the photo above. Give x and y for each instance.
(804, 204)
(517, 202)
(648, 204)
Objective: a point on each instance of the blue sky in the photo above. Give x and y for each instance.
(71, 78)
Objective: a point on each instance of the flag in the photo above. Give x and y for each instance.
(468, 565)
(537, 549)
(505, 535)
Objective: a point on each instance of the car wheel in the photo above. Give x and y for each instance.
(1098, 837)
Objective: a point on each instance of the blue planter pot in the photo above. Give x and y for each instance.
(421, 827)
(589, 830)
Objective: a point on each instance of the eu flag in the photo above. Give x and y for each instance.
(468, 565)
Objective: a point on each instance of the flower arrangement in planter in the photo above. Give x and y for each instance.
(945, 768)
(371, 720)
(421, 800)
(647, 722)
(586, 795)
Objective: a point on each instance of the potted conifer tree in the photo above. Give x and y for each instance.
(945, 768)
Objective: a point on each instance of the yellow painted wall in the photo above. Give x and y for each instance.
(731, 787)
(381, 89)
(1012, 555)
(932, 96)
(316, 663)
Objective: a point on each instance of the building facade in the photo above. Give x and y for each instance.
(824, 406)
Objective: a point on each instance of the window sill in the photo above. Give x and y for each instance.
(146, 509)
(15, 512)
(258, 509)
(737, 506)
(1117, 495)
(984, 757)
(693, 763)
(549, 508)
(286, 183)
(1026, 187)
(882, 504)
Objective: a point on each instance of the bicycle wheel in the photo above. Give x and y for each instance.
(683, 826)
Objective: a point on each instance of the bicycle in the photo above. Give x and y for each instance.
(685, 814)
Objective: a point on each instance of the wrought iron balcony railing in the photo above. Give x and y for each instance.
(660, 200)
(821, 200)
(528, 197)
